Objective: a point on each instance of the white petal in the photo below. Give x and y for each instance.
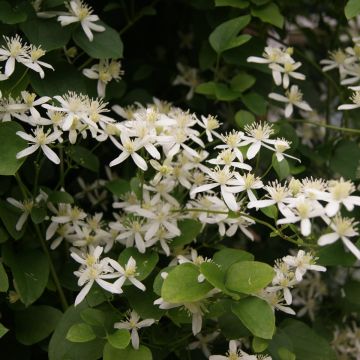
(31, 149)
(84, 291)
(50, 154)
(328, 239)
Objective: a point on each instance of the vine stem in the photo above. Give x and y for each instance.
(333, 127)
(55, 277)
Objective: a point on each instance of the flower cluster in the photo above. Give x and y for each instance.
(283, 68)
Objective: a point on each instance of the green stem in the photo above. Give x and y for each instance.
(333, 127)
(59, 289)
(25, 191)
(19, 81)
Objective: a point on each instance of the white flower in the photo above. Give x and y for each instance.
(134, 325)
(210, 124)
(343, 228)
(129, 147)
(189, 77)
(302, 262)
(272, 55)
(40, 140)
(25, 207)
(303, 211)
(338, 59)
(79, 11)
(280, 146)
(355, 98)
(104, 72)
(227, 182)
(293, 98)
(35, 53)
(288, 70)
(13, 51)
(94, 270)
(127, 273)
(203, 341)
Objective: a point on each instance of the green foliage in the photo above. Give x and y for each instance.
(80, 333)
(248, 276)
(257, 315)
(352, 9)
(111, 353)
(189, 230)
(30, 269)
(84, 157)
(182, 285)
(269, 13)
(10, 145)
(106, 44)
(344, 164)
(120, 339)
(36, 323)
(225, 36)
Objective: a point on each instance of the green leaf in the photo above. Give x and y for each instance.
(257, 315)
(60, 348)
(242, 82)
(269, 13)
(106, 44)
(224, 93)
(118, 187)
(224, 36)
(182, 285)
(10, 145)
(84, 157)
(38, 214)
(255, 103)
(243, 118)
(248, 277)
(65, 78)
(270, 211)
(335, 255)
(259, 344)
(120, 339)
(3, 330)
(93, 317)
(60, 197)
(214, 275)
(9, 15)
(110, 353)
(80, 333)
(342, 162)
(226, 257)
(307, 344)
(352, 8)
(46, 32)
(206, 88)
(145, 263)
(281, 168)
(36, 323)
(285, 354)
(190, 229)
(4, 281)
(240, 4)
(30, 269)
(9, 217)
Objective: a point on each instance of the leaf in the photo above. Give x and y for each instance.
(145, 263)
(80, 333)
(307, 344)
(93, 317)
(118, 187)
(281, 168)
(9, 15)
(3, 330)
(106, 44)
(255, 103)
(9, 217)
(224, 36)
(346, 159)
(257, 315)
(206, 88)
(270, 211)
(182, 285)
(240, 4)
(243, 118)
(10, 145)
(259, 344)
(46, 32)
(60, 197)
(120, 339)
(226, 257)
(248, 277)
(110, 353)
(65, 78)
(335, 255)
(269, 13)
(190, 229)
(242, 82)
(36, 323)
(84, 157)
(4, 281)
(352, 291)
(38, 214)
(30, 269)
(352, 9)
